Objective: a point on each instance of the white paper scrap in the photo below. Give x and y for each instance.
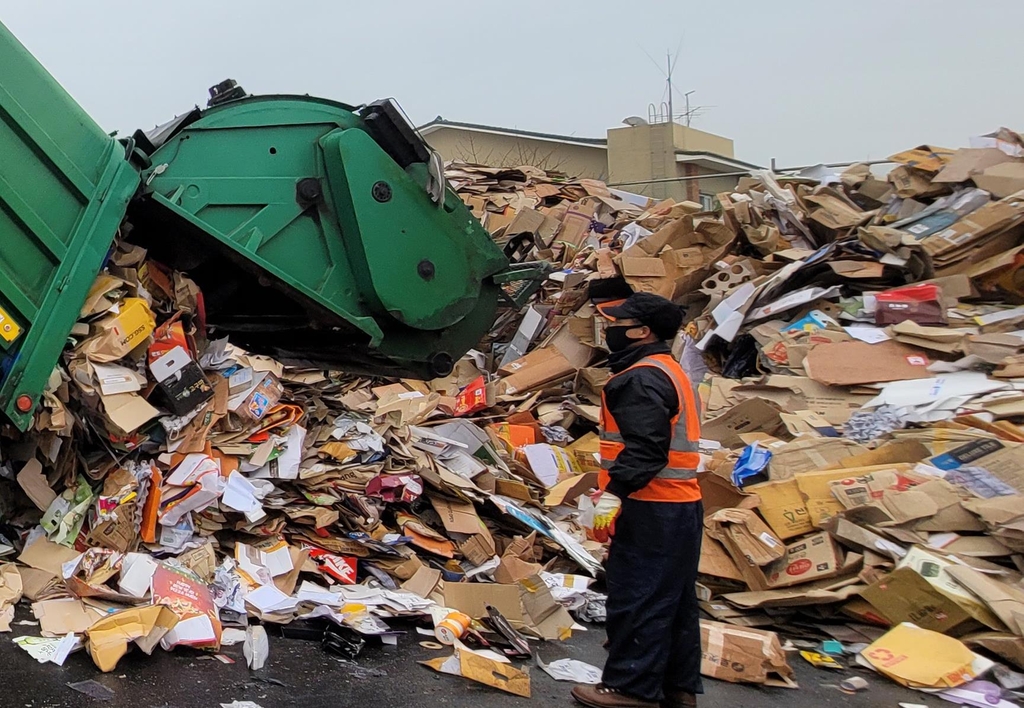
(572, 670)
(864, 333)
(268, 599)
(240, 495)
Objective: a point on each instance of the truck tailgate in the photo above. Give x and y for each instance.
(64, 189)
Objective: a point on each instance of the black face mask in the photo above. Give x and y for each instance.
(616, 339)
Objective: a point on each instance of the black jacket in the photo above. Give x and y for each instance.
(643, 402)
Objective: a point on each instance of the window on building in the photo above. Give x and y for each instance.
(708, 202)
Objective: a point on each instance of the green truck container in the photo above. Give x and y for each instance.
(320, 233)
(65, 186)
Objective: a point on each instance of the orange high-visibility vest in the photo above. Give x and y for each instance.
(678, 481)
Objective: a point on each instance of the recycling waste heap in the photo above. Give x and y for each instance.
(857, 340)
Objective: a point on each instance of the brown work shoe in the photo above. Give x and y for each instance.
(602, 696)
(679, 699)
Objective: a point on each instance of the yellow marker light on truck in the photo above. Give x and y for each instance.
(9, 329)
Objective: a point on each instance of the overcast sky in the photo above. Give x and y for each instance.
(802, 80)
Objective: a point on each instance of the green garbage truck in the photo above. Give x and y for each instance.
(319, 232)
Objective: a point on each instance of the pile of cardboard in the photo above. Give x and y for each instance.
(175, 486)
(856, 336)
(864, 401)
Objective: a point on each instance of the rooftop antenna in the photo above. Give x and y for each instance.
(671, 68)
(667, 114)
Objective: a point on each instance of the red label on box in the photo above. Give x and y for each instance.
(473, 398)
(798, 567)
(341, 568)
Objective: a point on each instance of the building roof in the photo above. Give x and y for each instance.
(714, 161)
(708, 160)
(439, 123)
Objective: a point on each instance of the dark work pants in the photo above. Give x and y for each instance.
(653, 620)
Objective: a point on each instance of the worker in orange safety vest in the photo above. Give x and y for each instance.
(651, 501)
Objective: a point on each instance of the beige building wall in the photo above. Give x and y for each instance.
(640, 153)
(633, 154)
(693, 140)
(455, 143)
(648, 152)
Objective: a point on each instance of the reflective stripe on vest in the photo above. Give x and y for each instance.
(679, 443)
(677, 482)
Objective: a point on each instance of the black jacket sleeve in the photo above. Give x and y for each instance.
(643, 402)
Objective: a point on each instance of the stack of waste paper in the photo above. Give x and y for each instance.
(175, 487)
(857, 340)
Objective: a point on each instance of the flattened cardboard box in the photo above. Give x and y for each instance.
(834, 213)
(904, 596)
(33, 481)
(836, 405)
(808, 559)
(537, 368)
(59, 617)
(911, 183)
(473, 599)
(977, 547)
(716, 562)
(39, 585)
(117, 334)
(647, 275)
(512, 570)
(853, 363)
(543, 616)
(590, 382)
(990, 218)
(470, 664)
(1001, 180)
(146, 626)
(908, 451)
(949, 342)
(783, 508)
(946, 499)
(927, 158)
(816, 489)
(803, 423)
(48, 556)
(966, 162)
(457, 517)
(821, 593)
(1005, 600)
(743, 656)
(718, 492)
(852, 535)
(752, 415)
(811, 454)
(1006, 646)
(1007, 465)
(745, 537)
(569, 490)
(730, 615)
(870, 488)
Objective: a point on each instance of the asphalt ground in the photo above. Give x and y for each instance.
(301, 673)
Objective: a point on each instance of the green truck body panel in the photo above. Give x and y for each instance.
(64, 189)
(234, 174)
(312, 232)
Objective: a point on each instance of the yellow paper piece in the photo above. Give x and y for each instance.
(920, 658)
